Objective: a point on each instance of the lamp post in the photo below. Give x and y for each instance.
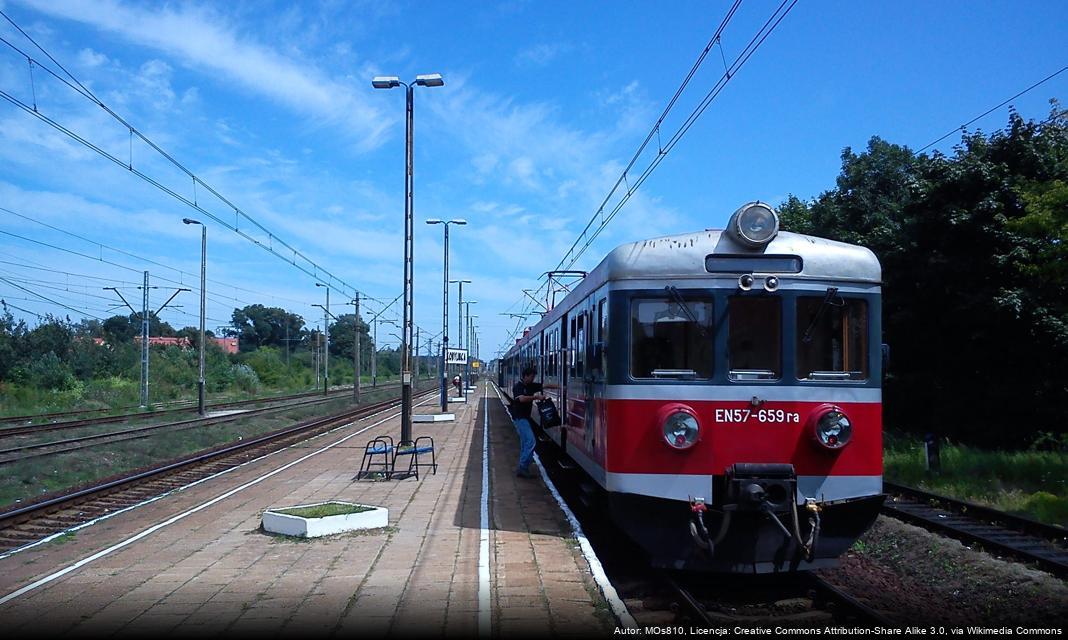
(356, 351)
(201, 409)
(374, 359)
(460, 312)
(467, 325)
(389, 82)
(326, 333)
(445, 313)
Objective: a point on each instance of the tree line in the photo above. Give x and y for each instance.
(974, 251)
(59, 363)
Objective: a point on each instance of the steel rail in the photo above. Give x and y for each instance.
(73, 424)
(972, 525)
(8, 518)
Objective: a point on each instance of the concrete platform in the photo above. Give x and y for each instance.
(196, 563)
(433, 417)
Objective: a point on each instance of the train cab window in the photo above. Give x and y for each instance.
(832, 338)
(755, 338)
(670, 341)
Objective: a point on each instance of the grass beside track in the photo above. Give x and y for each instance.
(22, 481)
(1028, 483)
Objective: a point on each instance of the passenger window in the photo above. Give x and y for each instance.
(755, 338)
(671, 341)
(832, 337)
(580, 346)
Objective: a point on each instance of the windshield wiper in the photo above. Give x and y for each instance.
(828, 301)
(686, 309)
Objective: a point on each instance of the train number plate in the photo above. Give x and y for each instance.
(761, 416)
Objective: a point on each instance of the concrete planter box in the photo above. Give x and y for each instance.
(291, 525)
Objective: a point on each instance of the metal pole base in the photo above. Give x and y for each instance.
(200, 398)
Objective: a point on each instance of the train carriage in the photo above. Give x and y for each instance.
(723, 388)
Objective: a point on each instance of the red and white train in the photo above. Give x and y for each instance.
(723, 388)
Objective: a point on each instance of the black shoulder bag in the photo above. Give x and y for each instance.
(550, 417)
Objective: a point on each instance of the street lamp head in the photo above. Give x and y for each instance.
(430, 80)
(385, 82)
(435, 221)
(320, 284)
(458, 221)
(456, 281)
(190, 221)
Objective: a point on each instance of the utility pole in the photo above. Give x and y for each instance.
(144, 328)
(144, 343)
(356, 351)
(416, 367)
(326, 333)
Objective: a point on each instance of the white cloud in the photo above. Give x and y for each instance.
(201, 38)
(542, 54)
(89, 58)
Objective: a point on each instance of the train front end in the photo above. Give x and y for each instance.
(738, 425)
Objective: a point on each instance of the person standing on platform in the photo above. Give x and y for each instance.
(524, 394)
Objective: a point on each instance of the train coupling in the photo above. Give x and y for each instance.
(769, 488)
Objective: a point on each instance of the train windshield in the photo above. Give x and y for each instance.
(755, 338)
(832, 338)
(671, 338)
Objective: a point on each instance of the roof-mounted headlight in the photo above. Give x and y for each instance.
(754, 224)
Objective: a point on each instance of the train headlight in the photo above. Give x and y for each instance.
(832, 428)
(754, 224)
(679, 425)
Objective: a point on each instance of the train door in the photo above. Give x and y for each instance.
(562, 371)
(596, 366)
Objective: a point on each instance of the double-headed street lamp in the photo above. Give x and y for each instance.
(389, 82)
(326, 332)
(445, 313)
(203, 279)
(466, 327)
(460, 313)
(374, 359)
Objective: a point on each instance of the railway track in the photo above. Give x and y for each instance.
(136, 415)
(34, 522)
(803, 600)
(24, 452)
(1022, 538)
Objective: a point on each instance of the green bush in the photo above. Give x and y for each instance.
(245, 378)
(49, 372)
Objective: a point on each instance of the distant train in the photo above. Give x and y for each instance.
(723, 388)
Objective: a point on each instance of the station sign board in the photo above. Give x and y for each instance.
(456, 356)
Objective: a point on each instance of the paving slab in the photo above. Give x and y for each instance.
(213, 571)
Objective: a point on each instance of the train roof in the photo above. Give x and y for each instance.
(684, 255)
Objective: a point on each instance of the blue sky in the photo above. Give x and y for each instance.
(544, 104)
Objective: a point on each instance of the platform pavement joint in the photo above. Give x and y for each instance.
(214, 572)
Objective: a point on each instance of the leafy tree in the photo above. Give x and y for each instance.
(342, 339)
(973, 249)
(260, 326)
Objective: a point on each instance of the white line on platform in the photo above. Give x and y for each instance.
(618, 608)
(147, 532)
(484, 611)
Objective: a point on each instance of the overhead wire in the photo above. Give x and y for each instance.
(578, 248)
(316, 271)
(967, 124)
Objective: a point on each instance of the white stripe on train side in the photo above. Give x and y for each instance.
(742, 393)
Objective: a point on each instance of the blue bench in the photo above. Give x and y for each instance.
(422, 445)
(370, 467)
